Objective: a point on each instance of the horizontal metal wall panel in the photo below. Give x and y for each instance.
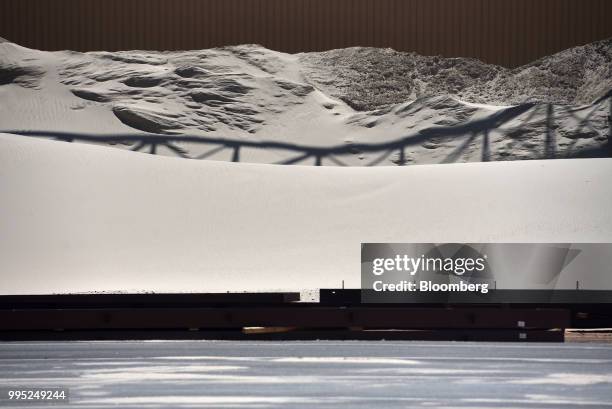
(505, 32)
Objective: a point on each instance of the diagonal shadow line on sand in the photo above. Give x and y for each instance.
(457, 152)
(381, 157)
(138, 147)
(294, 160)
(538, 108)
(211, 152)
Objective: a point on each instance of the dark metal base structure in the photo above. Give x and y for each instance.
(277, 316)
(491, 335)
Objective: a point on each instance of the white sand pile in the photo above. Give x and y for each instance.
(354, 107)
(369, 78)
(77, 217)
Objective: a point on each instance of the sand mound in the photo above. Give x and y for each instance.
(208, 88)
(368, 78)
(356, 106)
(146, 119)
(22, 75)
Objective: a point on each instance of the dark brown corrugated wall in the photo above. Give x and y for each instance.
(506, 32)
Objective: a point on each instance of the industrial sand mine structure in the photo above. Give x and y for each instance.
(515, 153)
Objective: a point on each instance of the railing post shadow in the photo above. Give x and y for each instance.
(236, 154)
(402, 156)
(486, 149)
(551, 143)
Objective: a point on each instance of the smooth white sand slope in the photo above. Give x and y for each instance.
(77, 217)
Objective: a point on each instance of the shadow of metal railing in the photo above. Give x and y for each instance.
(299, 153)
